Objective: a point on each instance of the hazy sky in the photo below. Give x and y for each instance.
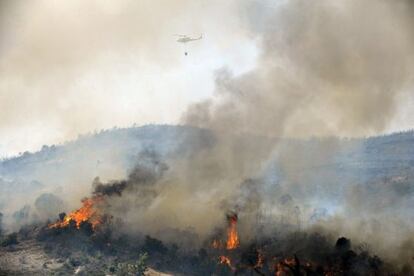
(71, 67)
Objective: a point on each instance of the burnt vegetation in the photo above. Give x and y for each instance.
(103, 251)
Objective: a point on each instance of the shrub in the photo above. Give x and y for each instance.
(9, 240)
(134, 269)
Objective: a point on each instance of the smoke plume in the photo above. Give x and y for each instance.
(324, 69)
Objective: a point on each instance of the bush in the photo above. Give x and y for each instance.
(153, 245)
(142, 263)
(9, 240)
(134, 269)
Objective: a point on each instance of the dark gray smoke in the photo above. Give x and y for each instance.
(145, 174)
(116, 187)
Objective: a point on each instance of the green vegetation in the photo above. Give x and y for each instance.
(134, 269)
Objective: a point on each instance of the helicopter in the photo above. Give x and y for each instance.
(185, 39)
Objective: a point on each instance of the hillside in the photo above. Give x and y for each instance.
(110, 154)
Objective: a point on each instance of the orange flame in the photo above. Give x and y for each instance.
(232, 236)
(87, 212)
(260, 260)
(226, 261)
(281, 267)
(217, 244)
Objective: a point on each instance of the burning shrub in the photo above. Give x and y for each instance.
(87, 213)
(232, 236)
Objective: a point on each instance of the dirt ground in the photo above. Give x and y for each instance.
(29, 258)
